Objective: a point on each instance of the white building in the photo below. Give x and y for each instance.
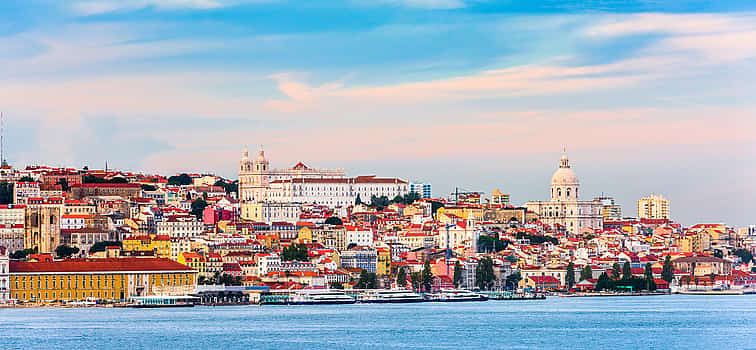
(422, 189)
(180, 226)
(25, 190)
(12, 227)
(565, 208)
(269, 212)
(268, 263)
(4, 275)
(359, 236)
(72, 221)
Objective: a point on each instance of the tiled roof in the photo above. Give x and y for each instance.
(99, 265)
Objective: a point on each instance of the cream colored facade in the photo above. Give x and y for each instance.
(653, 207)
(565, 207)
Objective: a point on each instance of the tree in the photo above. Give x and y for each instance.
(616, 271)
(398, 199)
(744, 255)
(229, 187)
(149, 188)
(336, 285)
(26, 179)
(427, 277)
(333, 220)
(295, 251)
(513, 280)
(648, 274)
(401, 278)
(411, 197)
(368, 280)
(180, 180)
(627, 273)
(457, 279)
(6, 192)
(358, 200)
(718, 254)
(603, 283)
(586, 273)
(198, 207)
(569, 278)
(668, 272)
(484, 274)
(63, 251)
(18, 255)
(228, 280)
(416, 278)
(63, 184)
(102, 245)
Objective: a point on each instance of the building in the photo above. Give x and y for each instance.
(269, 212)
(84, 238)
(180, 226)
(159, 245)
(498, 198)
(42, 224)
(653, 207)
(99, 279)
(360, 257)
(12, 221)
(341, 192)
(125, 190)
(703, 265)
(25, 190)
(610, 210)
(422, 189)
(4, 275)
(565, 209)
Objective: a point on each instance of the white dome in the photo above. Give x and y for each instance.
(564, 177)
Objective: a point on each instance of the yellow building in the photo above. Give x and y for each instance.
(99, 279)
(193, 260)
(653, 207)
(304, 235)
(694, 242)
(384, 261)
(160, 244)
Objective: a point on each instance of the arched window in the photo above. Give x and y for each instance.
(559, 192)
(568, 193)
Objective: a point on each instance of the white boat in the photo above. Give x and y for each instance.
(456, 295)
(392, 296)
(316, 297)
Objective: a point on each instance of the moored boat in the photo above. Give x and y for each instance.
(391, 296)
(320, 297)
(456, 295)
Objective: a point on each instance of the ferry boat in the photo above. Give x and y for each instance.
(150, 302)
(456, 295)
(392, 296)
(320, 297)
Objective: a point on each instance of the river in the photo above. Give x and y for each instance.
(657, 322)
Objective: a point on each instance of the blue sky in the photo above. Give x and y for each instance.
(647, 96)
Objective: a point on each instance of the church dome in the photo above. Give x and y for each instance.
(564, 175)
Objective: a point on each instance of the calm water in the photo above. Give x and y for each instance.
(675, 322)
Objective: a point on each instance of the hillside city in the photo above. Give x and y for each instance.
(104, 235)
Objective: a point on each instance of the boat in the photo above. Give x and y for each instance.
(456, 295)
(320, 297)
(152, 302)
(392, 296)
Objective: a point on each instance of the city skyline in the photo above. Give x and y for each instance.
(647, 97)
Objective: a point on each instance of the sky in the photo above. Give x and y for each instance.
(646, 96)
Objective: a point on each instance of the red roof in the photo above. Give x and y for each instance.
(99, 265)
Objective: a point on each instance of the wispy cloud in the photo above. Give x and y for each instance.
(96, 7)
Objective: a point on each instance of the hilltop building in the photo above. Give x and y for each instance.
(653, 207)
(565, 208)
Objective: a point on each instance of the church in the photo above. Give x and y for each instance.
(565, 207)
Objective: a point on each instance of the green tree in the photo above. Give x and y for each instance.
(668, 271)
(368, 280)
(64, 252)
(586, 272)
(626, 271)
(744, 255)
(149, 188)
(6, 192)
(401, 278)
(648, 275)
(569, 278)
(333, 220)
(484, 274)
(513, 280)
(398, 199)
(295, 251)
(198, 207)
(229, 187)
(416, 279)
(616, 271)
(604, 282)
(63, 184)
(18, 255)
(358, 200)
(180, 180)
(102, 245)
(336, 285)
(457, 279)
(26, 179)
(411, 197)
(427, 277)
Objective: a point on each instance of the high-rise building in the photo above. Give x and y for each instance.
(610, 209)
(422, 189)
(653, 207)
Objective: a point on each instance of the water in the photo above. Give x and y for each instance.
(669, 322)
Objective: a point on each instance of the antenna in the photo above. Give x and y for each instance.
(2, 140)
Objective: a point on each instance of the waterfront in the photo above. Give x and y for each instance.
(675, 322)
